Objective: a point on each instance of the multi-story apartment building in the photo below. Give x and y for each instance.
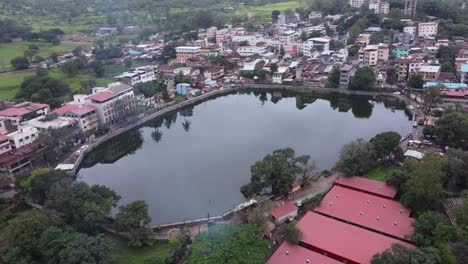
(356, 3)
(223, 35)
(185, 52)
(313, 44)
(371, 54)
(85, 115)
(211, 32)
(287, 37)
(346, 73)
(214, 72)
(410, 7)
(24, 135)
(5, 145)
(251, 50)
(429, 72)
(414, 66)
(24, 111)
(464, 73)
(410, 30)
(379, 7)
(112, 104)
(139, 75)
(428, 29)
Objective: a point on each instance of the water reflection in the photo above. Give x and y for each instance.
(193, 162)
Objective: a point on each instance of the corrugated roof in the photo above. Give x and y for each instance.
(343, 240)
(288, 253)
(368, 186)
(283, 210)
(75, 109)
(23, 109)
(367, 210)
(102, 96)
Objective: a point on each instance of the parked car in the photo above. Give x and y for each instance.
(397, 93)
(427, 143)
(415, 124)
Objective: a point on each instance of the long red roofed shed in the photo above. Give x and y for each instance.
(383, 215)
(342, 241)
(288, 253)
(368, 186)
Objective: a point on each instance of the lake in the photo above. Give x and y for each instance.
(193, 162)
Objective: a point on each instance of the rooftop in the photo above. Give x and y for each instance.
(292, 254)
(341, 240)
(430, 68)
(102, 96)
(368, 186)
(23, 109)
(75, 109)
(119, 88)
(283, 210)
(367, 210)
(447, 85)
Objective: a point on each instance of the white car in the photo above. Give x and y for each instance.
(84, 147)
(397, 93)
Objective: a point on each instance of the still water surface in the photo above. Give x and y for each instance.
(196, 162)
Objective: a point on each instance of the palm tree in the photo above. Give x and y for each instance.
(186, 125)
(156, 135)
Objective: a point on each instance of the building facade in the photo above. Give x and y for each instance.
(185, 52)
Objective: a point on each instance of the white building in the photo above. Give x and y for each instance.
(287, 37)
(211, 32)
(428, 29)
(410, 30)
(24, 111)
(373, 53)
(84, 115)
(25, 135)
(320, 44)
(251, 39)
(429, 72)
(356, 3)
(379, 7)
(43, 123)
(139, 75)
(112, 103)
(251, 50)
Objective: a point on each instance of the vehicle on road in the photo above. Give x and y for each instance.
(397, 93)
(415, 124)
(427, 143)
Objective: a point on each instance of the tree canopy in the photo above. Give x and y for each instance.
(229, 244)
(363, 79)
(277, 170)
(452, 129)
(43, 89)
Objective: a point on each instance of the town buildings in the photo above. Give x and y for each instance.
(429, 72)
(410, 7)
(85, 115)
(138, 75)
(346, 73)
(185, 52)
(379, 7)
(24, 111)
(356, 3)
(428, 29)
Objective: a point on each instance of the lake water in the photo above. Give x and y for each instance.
(201, 155)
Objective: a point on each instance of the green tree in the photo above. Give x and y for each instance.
(425, 227)
(229, 244)
(149, 89)
(128, 63)
(363, 79)
(392, 76)
(334, 78)
(20, 63)
(398, 178)
(132, 215)
(282, 52)
(432, 96)
(26, 229)
(356, 158)
(386, 145)
(423, 191)
(59, 246)
(274, 15)
(54, 56)
(416, 81)
(273, 68)
(38, 184)
(402, 255)
(277, 170)
(291, 233)
(353, 50)
(98, 68)
(452, 129)
(457, 167)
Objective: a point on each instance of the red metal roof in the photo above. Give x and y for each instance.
(291, 254)
(343, 241)
(367, 210)
(75, 109)
(102, 96)
(368, 186)
(3, 138)
(23, 109)
(283, 210)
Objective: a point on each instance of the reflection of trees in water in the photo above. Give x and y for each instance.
(186, 125)
(169, 120)
(114, 149)
(361, 107)
(303, 100)
(263, 97)
(187, 111)
(155, 123)
(156, 135)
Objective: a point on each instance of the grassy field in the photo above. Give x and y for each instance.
(263, 12)
(125, 255)
(10, 83)
(379, 174)
(8, 51)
